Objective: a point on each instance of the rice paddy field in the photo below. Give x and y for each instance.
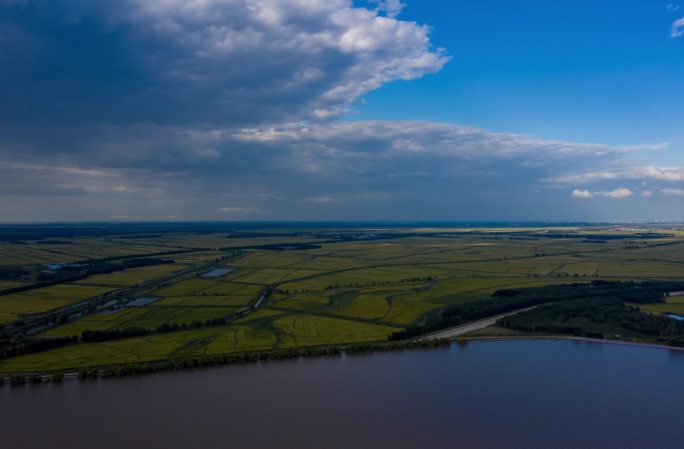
(673, 305)
(327, 291)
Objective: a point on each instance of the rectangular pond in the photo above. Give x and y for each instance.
(141, 302)
(217, 273)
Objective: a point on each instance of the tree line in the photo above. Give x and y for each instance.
(591, 315)
(227, 359)
(509, 300)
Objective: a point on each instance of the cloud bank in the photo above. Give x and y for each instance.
(210, 61)
(364, 169)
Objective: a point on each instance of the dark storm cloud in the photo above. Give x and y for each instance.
(212, 61)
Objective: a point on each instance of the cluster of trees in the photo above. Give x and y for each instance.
(419, 279)
(80, 271)
(90, 336)
(368, 284)
(175, 327)
(36, 379)
(643, 293)
(596, 311)
(31, 347)
(9, 273)
(508, 300)
(277, 247)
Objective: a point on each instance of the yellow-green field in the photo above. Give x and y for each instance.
(44, 299)
(8, 284)
(673, 304)
(340, 292)
(132, 276)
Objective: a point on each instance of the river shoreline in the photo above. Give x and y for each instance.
(6, 378)
(572, 338)
(619, 397)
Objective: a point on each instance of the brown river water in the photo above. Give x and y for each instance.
(487, 395)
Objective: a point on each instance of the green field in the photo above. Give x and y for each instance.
(673, 304)
(132, 276)
(35, 301)
(341, 291)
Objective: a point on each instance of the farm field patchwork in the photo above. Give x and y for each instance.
(330, 291)
(45, 299)
(132, 276)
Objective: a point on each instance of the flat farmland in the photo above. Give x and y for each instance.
(9, 284)
(337, 292)
(269, 276)
(673, 304)
(45, 299)
(32, 253)
(132, 276)
(188, 287)
(207, 300)
(308, 330)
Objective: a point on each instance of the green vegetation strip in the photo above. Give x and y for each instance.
(599, 318)
(224, 359)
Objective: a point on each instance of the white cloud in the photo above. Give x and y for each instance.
(647, 194)
(582, 194)
(666, 174)
(390, 7)
(673, 8)
(415, 137)
(678, 28)
(673, 192)
(219, 61)
(618, 193)
(326, 51)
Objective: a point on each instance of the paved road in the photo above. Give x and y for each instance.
(476, 325)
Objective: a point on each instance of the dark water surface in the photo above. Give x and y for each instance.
(512, 395)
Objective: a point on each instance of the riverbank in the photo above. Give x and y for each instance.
(151, 367)
(572, 338)
(19, 379)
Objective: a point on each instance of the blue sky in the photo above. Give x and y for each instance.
(341, 110)
(595, 71)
